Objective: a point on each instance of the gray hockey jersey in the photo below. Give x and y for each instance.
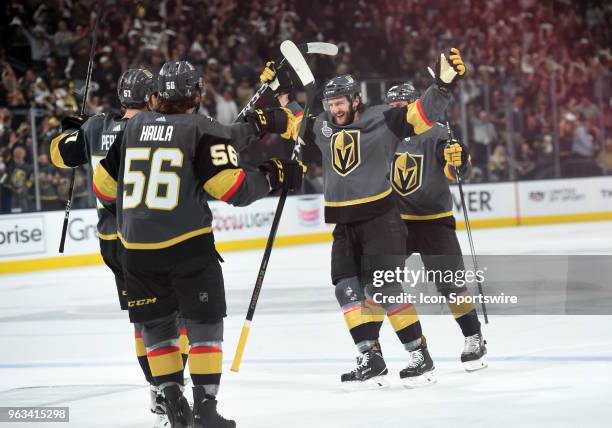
(356, 157)
(161, 173)
(90, 144)
(418, 178)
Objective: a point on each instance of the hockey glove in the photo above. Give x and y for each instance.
(284, 173)
(278, 120)
(277, 77)
(448, 70)
(73, 122)
(455, 153)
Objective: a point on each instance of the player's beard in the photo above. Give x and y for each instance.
(349, 117)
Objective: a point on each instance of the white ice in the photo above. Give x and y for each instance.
(63, 342)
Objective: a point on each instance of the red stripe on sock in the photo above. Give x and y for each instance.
(204, 349)
(401, 308)
(354, 308)
(162, 351)
(183, 331)
(138, 335)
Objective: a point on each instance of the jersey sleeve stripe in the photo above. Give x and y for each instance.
(422, 113)
(104, 185)
(235, 187)
(56, 155)
(225, 183)
(417, 118)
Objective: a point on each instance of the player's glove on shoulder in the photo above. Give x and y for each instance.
(448, 70)
(73, 122)
(277, 77)
(284, 173)
(277, 120)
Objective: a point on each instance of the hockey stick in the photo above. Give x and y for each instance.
(468, 227)
(297, 61)
(92, 53)
(320, 48)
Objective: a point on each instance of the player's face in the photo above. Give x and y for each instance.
(340, 110)
(398, 103)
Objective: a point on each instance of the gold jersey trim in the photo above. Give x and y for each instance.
(359, 201)
(427, 216)
(110, 237)
(163, 244)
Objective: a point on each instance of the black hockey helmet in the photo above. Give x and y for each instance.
(343, 85)
(403, 92)
(179, 81)
(135, 87)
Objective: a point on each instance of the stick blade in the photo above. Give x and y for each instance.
(294, 57)
(322, 48)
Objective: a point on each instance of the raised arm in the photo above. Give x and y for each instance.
(419, 116)
(69, 148)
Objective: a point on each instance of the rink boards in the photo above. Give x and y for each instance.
(30, 241)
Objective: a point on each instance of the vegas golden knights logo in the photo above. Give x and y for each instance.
(407, 173)
(345, 149)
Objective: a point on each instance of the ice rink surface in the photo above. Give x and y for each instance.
(64, 342)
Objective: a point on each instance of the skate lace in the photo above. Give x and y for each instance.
(416, 358)
(362, 362)
(472, 344)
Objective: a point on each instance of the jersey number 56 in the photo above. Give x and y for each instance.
(157, 177)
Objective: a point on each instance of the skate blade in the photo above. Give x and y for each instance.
(426, 379)
(472, 366)
(161, 421)
(376, 382)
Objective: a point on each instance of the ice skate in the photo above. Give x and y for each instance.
(205, 411)
(369, 373)
(177, 407)
(420, 370)
(158, 407)
(474, 355)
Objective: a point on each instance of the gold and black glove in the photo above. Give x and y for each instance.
(448, 70)
(73, 122)
(277, 77)
(277, 120)
(455, 154)
(284, 173)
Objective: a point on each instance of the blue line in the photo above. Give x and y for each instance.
(533, 359)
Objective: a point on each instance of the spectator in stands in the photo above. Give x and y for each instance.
(485, 136)
(19, 181)
(605, 156)
(498, 164)
(583, 143)
(63, 40)
(47, 184)
(40, 44)
(226, 107)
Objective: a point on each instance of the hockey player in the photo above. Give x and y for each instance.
(87, 141)
(420, 173)
(357, 143)
(159, 177)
